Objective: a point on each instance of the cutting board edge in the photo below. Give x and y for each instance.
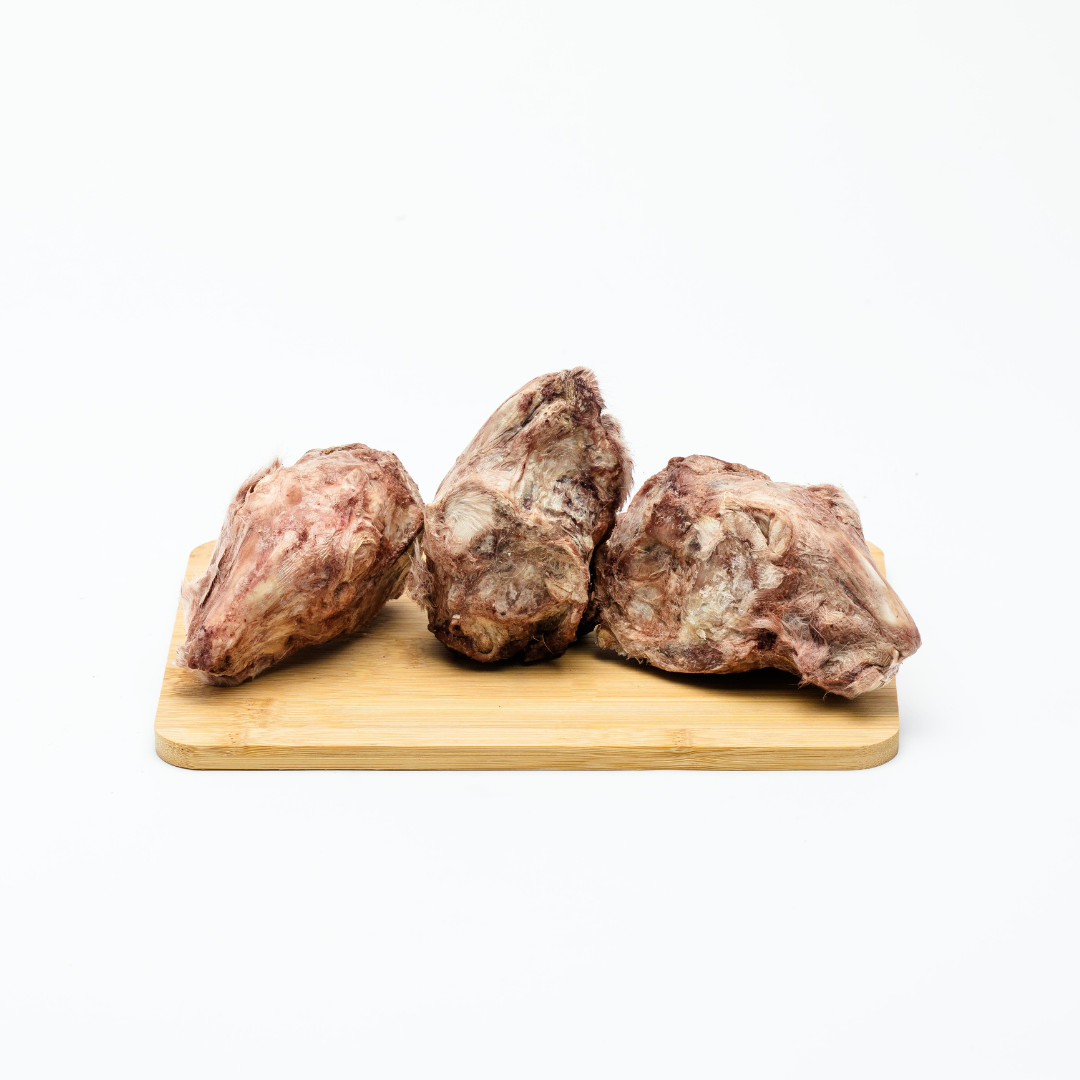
(486, 758)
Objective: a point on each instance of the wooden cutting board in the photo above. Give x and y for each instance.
(394, 697)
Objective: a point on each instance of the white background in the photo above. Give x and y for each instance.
(836, 242)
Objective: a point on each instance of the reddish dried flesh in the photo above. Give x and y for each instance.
(307, 553)
(505, 555)
(715, 568)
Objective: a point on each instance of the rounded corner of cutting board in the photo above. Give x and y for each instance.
(880, 752)
(173, 753)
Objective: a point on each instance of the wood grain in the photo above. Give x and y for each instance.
(396, 698)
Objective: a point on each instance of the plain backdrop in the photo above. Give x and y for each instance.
(838, 242)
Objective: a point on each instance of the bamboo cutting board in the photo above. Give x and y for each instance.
(394, 697)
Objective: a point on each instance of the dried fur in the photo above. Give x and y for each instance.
(307, 553)
(716, 568)
(503, 565)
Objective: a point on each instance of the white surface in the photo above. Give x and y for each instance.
(837, 242)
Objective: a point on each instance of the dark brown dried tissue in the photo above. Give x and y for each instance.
(716, 568)
(503, 564)
(307, 553)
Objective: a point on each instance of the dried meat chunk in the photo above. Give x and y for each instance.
(503, 564)
(715, 568)
(307, 553)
